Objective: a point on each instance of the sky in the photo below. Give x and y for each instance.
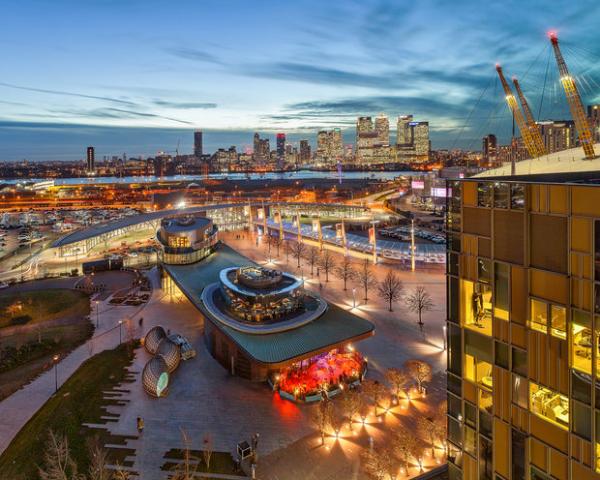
(139, 76)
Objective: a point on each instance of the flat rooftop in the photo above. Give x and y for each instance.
(591, 177)
(566, 161)
(336, 326)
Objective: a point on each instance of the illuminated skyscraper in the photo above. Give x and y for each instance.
(558, 135)
(421, 138)
(91, 160)
(304, 151)
(198, 143)
(382, 127)
(404, 132)
(280, 149)
(490, 149)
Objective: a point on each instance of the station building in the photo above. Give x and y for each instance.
(523, 326)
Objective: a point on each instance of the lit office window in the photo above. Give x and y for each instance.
(539, 316)
(484, 194)
(581, 342)
(517, 196)
(501, 195)
(558, 322)
(549, 405)
(478, 371)
(476, 306)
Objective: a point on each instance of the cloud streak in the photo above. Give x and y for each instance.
(68, 94)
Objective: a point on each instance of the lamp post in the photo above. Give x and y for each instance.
(354, 298)
(120, 328)
(97, 302)
(55, 360)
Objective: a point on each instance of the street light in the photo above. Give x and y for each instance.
(97, 302)
(120, 324)
(354, 298)
(55, 360)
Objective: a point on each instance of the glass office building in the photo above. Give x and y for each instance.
(523, 327)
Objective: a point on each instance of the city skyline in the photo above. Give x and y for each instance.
(113, 71)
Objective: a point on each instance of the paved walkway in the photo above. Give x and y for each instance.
(16, 410)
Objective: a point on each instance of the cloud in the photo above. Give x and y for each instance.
(119, 113)
(70, 94)
(194, 54)
(184, 105)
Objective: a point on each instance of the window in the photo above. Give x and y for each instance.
(501, 355)
(518, 455)
(454, 350)
(484, 194)
(476, 306)
(470, 440)
(501, 195)
(517, 196)
(558, 317)
(453, 300)
(486, 400)
(454, 406)
(581, 387)
(470, 415)
(485, 424)
(501, 290)
(485, 459)
(454, 384)
(538, 319)
(582, 420)
(484, 270)
(454, 431)
(581, 342)
(519, 385)
(478, 371)
(549, 405)
(597, 414)
(519, 361)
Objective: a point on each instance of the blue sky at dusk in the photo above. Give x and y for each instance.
(79, 72)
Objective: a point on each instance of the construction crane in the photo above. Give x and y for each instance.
(517, 115)
(529, 120)
(568, 82)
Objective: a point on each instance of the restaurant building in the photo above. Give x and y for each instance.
(262, 325)
(523, 327)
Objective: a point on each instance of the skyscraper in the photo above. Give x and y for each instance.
(558, 135)
(90, 160)
(421, 139)
(382, 127)
(490, 149)
(280, 149)
(593, 112)
(198, 143)
(304, 151)
(404, 132)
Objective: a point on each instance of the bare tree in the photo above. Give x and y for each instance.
(428, 429)
(185, 470)
(404, 444)
(375, 463)
(58, 463)
(374, 390)
(397, 378)
(418, 302)
(390, 289)
(419, 371)
(298, 249)
(322, 417)
(351, 403)
(207, 449)
(269, 242)
(366, 278)
(345, 271)
(312, 257)
(326, 263)
(98, 461)
(287, 246)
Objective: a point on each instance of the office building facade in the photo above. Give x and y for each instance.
(90, 160)
(198, 151)
(523, 328)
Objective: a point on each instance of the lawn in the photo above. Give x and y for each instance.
(80, 400)
(220, 462)
(26, 308)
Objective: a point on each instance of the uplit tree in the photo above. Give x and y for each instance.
(419, 371)
(403, 443)
(374, 390)
(345, 271)
(366, 278)
(428, 429)
(375, 462)
(397, 378)
(351, 403)
(322, 417)
(390, 289)
(207, 449)
(326, 263)
(298, 249)
(312, 257)
(419, 301)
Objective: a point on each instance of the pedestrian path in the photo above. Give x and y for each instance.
(17, 409)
